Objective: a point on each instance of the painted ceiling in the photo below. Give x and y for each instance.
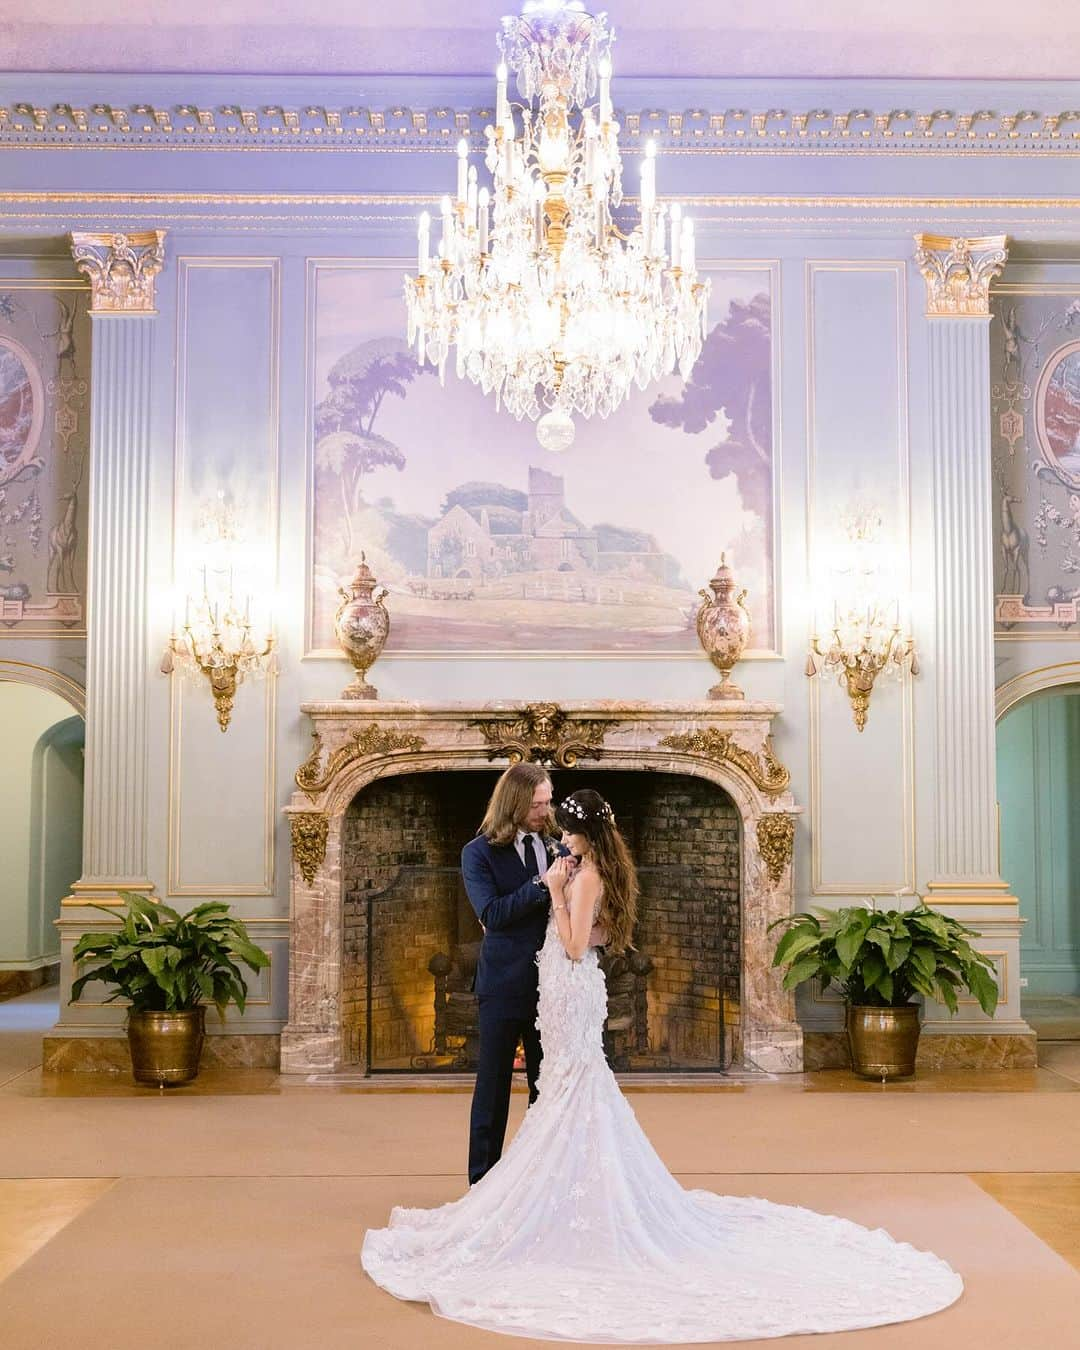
(990, 40)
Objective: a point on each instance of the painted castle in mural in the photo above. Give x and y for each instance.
(503, 532)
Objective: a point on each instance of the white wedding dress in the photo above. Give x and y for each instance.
(580, 1233)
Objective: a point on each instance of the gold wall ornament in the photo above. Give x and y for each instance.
(764, 770)
(723, 626)
(121, 269)
(958, 273)
(776, 842)
(362, 626)
(309, 831)
(545, 734)
(371, 741)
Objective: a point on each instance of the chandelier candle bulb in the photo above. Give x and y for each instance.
(502, 104)
(471, 194)
(423, 235)
(482, 203)
(462, 169)
(603, 69)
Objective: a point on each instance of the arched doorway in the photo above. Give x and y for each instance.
(1038, 775)
(41, 801)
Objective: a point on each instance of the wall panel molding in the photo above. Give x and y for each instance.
(836, 749)
(240, 765)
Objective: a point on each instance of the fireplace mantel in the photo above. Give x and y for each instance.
(354, 743)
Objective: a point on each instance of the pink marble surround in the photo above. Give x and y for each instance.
(727, 743)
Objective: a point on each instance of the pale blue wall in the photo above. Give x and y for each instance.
(1039, 794)
(831, 206)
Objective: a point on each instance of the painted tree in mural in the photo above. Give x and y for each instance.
(346, 443)
(731, 382)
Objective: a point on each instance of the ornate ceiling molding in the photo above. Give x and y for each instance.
(238, 126)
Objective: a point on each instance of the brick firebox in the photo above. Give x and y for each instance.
(404, 902)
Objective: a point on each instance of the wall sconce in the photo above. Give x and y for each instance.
(219, 639)
(866, 638)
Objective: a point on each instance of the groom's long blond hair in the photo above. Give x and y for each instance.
(511, 802)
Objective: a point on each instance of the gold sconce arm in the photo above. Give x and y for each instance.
(223, 666)
(858, 666)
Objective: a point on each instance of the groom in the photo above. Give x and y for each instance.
(503, 869)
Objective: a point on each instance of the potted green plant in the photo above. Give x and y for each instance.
(169, 966)
(880, 959)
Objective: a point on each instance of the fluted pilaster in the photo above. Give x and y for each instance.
(958, 273)
(121, 269)
(960, 439)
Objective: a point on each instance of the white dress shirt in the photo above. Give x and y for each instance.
(538, 848)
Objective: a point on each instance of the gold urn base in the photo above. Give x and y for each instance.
(726, 688)
(883, 1040)
(166, 1046)
(359, 688)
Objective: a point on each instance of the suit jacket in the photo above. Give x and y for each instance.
(514, 912)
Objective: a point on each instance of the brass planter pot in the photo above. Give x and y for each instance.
(165, 1046)
(883, 1040)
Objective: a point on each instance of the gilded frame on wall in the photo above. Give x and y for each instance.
(678, 417)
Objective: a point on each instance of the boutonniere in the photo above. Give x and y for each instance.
(549, 849)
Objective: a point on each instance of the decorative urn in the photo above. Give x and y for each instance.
(362, 625)
(723, 625)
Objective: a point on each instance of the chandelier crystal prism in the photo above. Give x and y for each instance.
(543, 299)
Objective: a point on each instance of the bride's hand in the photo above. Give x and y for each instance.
(557, 875)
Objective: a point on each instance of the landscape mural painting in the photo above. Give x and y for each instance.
(44, 439)
(489, 543)
(1035, 364)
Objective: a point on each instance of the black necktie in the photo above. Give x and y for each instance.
(532, 867)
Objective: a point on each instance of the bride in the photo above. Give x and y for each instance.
(580, 1233)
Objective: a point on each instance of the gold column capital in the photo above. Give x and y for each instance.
(121, 269)
(958, 273)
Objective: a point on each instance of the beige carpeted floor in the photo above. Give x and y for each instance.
(271, 1264)
(230, 1217)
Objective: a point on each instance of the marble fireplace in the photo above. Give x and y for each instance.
(389, 793)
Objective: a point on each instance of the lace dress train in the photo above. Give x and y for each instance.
(580, 1233)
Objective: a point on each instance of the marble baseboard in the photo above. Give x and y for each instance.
(16, 982)
(957, 1051)
(829, 1050)
(109, 1054)
(825, 1050)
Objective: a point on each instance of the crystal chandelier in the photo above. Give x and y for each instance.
(546, 302)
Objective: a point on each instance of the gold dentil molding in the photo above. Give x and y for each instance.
(958, 273)
(121, 269)
(39, 123)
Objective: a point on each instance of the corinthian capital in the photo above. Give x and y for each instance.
(958, 273)
(121, 269)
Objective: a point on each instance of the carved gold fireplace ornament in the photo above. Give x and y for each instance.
(309, 830)
(776, 842)
(545, 734)
(370, 741)
(764, 770)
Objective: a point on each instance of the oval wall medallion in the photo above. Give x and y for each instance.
(1057, 414)
(22, 411)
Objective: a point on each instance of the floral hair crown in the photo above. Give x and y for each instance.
(572, 807)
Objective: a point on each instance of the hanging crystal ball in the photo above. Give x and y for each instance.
(555, 431)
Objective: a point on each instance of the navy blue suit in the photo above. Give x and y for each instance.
(514, 912)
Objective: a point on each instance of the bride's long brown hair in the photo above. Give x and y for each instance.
(585, 812)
